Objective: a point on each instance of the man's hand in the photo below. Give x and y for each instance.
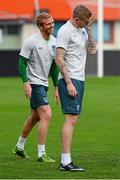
(71, 90)
(56, 95)
(27, 90)
(91, 21)
(91, 44)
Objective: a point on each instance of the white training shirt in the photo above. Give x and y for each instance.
(40, 54)
(73, 40)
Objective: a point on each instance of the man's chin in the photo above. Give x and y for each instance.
(51, 32)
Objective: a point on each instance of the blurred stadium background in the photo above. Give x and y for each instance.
(97, 135)
(16, 24)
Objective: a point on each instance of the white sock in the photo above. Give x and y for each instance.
(21, 143)
(65, 158)
(41, 150)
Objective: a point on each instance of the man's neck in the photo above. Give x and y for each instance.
(45, 36)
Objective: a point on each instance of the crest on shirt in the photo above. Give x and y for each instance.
(83, 32)
(53, 48)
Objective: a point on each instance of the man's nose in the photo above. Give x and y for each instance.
(52, 24)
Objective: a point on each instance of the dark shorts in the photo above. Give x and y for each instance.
(71, 105)
(39, 96)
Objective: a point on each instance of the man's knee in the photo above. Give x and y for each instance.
(72, 120)
(48, 114)
(45, 113)
(34, 116)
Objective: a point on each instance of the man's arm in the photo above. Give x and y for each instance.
(54, 74)
(64, 71)
(22, 68)
(23, 75)
(91, 44)
(60, 62)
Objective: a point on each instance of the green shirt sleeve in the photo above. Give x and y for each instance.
(22, 68)
(54, 74)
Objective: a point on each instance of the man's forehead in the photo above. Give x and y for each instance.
(49, 20)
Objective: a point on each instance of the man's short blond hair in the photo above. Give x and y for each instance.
(81, 10)
(40, 18)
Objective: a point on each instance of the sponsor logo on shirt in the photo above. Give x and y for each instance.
(39, 48)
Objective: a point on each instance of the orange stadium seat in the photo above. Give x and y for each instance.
(60, 9)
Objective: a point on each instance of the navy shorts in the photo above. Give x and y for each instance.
(38, 96)
(69, 104)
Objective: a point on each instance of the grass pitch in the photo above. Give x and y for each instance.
(96, 141)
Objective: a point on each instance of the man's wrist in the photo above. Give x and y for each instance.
(68, 81)
(25, 82)
(88, 29)
(56, 88)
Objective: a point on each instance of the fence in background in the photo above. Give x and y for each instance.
(9, 64)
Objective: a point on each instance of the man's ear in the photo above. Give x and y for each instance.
(41, 28)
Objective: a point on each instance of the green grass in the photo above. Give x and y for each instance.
(96, 141)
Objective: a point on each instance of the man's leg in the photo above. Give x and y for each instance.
(45, 117)
(67, 132)
(30, 123)
(27, 127)
(66, 136)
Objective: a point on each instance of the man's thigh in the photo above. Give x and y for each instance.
(38, 96)
(69, 104)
